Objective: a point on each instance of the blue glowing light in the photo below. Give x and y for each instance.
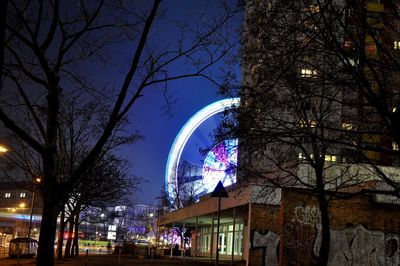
(171, 172)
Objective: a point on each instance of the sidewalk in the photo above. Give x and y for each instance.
(105, 260)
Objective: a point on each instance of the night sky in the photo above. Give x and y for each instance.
(159, 129)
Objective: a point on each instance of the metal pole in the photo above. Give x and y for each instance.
(212, 238)
(30, 218)
(172, 238)
(196, 237)
(233, 235)
(219, 216)
(183, 250)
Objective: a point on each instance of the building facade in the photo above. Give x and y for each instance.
(316, 139)
(17, 206)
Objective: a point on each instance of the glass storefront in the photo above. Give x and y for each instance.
(205, 240)
(229, 240)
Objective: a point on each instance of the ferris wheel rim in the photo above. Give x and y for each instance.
(184, 135)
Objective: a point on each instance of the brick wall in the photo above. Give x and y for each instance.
(363, 232)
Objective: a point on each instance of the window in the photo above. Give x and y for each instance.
(312, 9)
(396, 45)
(22, 195)
(349, 12)
(302, 156)
(309, 123)
(348, 126)
(395, 146)
(308, 73)
(7, 195)
(330, 158)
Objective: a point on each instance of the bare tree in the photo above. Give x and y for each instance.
(109, 183)
(52, 52)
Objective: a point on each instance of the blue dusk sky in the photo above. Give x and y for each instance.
(149, 156)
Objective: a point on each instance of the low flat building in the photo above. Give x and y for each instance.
(263, 226)
(16, 206)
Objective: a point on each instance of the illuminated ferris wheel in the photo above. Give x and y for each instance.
(201, 173)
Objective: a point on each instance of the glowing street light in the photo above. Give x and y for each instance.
(3, 149)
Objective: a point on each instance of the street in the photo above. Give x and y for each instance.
(100, 260)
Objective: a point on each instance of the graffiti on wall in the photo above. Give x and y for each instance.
(307, 215)
(356, 245)
(299, 242)
(360, 246)
(269, 242)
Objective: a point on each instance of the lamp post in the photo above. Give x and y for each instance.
(36, 181)
(219, 192)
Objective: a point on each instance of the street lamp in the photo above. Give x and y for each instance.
(3, 149)
(19, 210)
(219, 192)
(35, 182)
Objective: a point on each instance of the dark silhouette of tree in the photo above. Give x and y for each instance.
(58, 52)
(109, 183)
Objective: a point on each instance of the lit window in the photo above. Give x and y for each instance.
(309, 123)
(7, 195)
(312, 9)
(395, 146)
(396, 45)
(308, 73)
(22, 195)
(302, 156)
(330, 158)
(347, 126)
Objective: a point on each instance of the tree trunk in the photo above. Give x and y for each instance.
(325, 222)
(48, 227)
(76, 236)
(60, 241)
(326, 235)
(67, 252)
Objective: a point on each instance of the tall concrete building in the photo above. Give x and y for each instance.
(316, 127)
(310, 72)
